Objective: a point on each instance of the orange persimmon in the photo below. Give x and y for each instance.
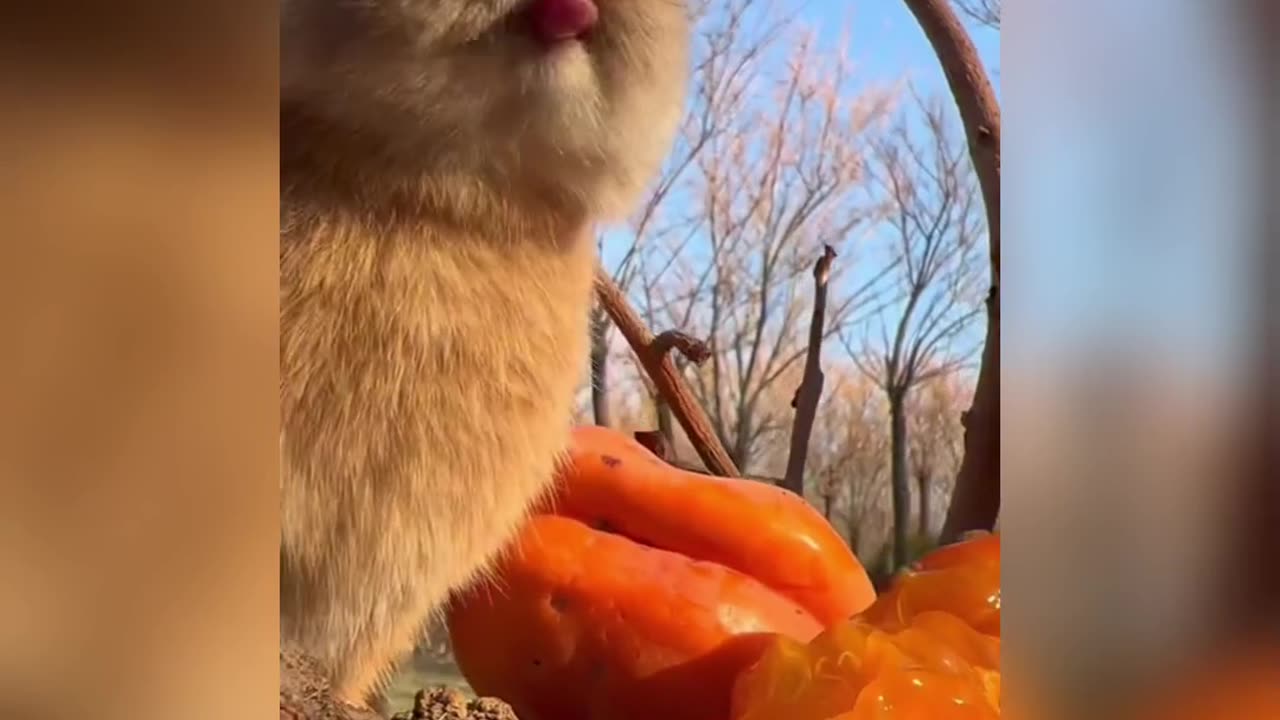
(642, 591)
(928, 648)
(858, 668)
(977, 549)
(766, 532)
(587, 625)
(962, 579)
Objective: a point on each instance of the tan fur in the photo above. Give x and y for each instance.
(440, 174)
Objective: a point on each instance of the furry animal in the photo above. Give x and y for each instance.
(442, 165)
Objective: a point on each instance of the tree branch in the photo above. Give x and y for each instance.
(657, 363)
(692, 348)
(806, 400)
(976, 502)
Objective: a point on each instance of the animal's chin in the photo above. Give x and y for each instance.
(563, 97)
(582, 168)
(562, 56)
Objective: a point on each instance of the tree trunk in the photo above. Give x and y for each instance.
(600, 369)
(809, 393)
(975, 502)
(741, 443)
(926, 516)
(899, 479)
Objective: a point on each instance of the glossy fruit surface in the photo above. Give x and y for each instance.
(641, 590)
(929, 648)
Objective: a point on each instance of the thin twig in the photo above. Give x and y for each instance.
(975, 505)
(657, 363)
(695, 350)
(806, 398)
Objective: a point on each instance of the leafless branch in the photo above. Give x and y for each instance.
(775, 187)
(665, 377)
(976, 502)
(806, 402)
(693, 349)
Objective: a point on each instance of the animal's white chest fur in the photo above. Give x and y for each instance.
(426, 388)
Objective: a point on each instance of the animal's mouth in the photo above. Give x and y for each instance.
(557, 22)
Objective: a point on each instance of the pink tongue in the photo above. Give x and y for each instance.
(556, 20)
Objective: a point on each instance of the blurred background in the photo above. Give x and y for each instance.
(138, 217)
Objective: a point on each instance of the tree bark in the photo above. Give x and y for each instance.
(741, 452)
(600, 368)
(976, 501)
(976, 101)
(899, 479)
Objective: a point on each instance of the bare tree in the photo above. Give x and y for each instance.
(783, 181)
(728, 46)
(829, 490)
(848, 452)
(983, 12)
(975, 504)
(867, 490)
(934, 218)
(935, 441)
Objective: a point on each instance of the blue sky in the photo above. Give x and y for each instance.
(887, 42)
(885, 45)
(1127, 185)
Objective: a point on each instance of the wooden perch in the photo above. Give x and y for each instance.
(654, 356)
(810, 391)
(976, 502)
